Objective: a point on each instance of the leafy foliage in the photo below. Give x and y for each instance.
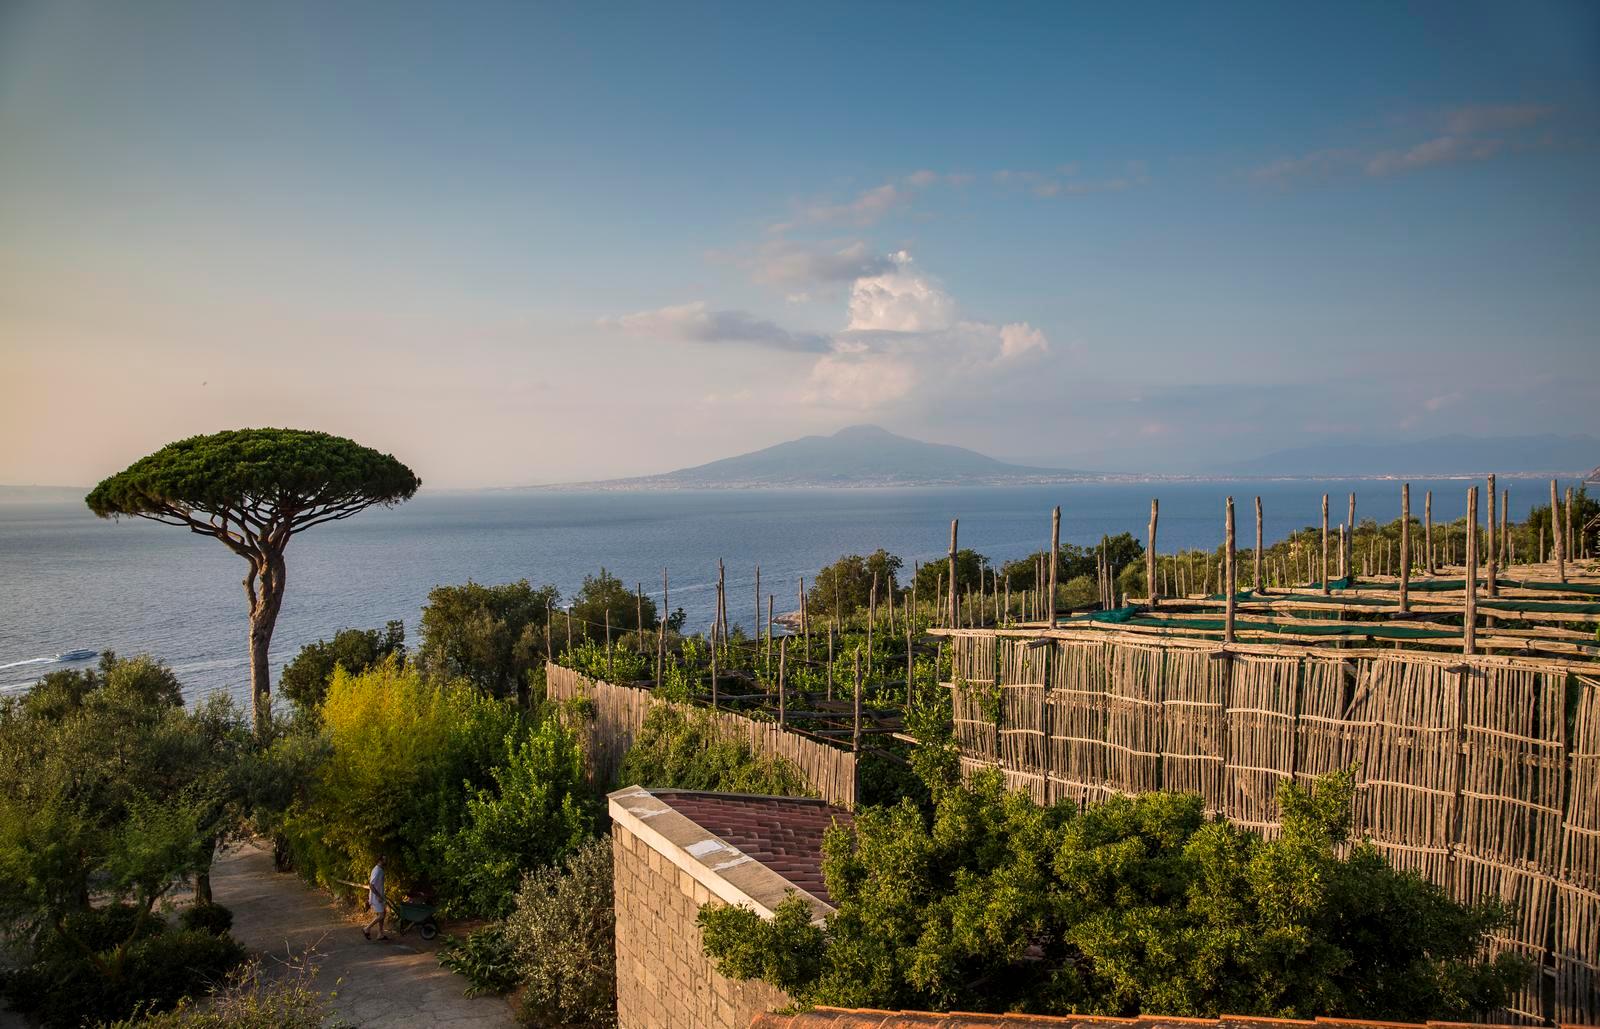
(485, 959)
(153, 972)
(399, 748)
(563, 935)
(682, 748)
(619, 664)
(1139, 904)
(538, 809)
(491, 636)
(112, 786)
(606, 596)
(846, 585)
(305, 679)
(934, 577)
(250, 999)
(211, 918)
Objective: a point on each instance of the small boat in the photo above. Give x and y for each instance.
(78, 655)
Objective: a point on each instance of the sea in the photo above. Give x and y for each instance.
(70, 581)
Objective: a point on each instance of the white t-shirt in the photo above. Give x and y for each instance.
(375, 888)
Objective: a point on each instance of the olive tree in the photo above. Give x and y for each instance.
(254, 490)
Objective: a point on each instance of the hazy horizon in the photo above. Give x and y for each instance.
(517, 244)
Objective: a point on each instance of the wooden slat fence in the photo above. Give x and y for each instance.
(619, 714)
(1466, 770)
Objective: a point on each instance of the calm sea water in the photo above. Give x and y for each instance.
(69, 580)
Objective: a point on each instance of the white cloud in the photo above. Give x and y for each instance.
(783, 262)
(903, 340)
(1467, 121)
(1020, 338)
(696, 323)
(1464, 138)
(1440, 150)
(866, 209)
(899, 300)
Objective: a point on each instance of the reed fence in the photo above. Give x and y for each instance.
(1469, 770)
(619, 714)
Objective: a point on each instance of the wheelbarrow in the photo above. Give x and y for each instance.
(407, 913)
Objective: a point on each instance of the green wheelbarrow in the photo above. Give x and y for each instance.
(408, 914)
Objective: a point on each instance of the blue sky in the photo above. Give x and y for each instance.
(521, 243)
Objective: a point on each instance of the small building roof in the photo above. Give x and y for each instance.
(856, 1018)
(745, 848)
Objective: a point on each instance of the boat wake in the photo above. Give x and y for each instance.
(71, 655)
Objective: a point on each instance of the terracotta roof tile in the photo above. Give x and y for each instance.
(783, 833)
(836, 1018)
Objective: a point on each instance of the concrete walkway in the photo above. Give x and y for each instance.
(400, 983)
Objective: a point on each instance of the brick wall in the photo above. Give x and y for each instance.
(663, 977)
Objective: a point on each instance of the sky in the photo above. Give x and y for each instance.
(531, 243)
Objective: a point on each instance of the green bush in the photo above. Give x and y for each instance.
(398, 749)
(485, 959)
(153, 974)
(991, 903)
(537, 810)
(620, 664)
(211, 918)
(682, 748)
(248, 999)
(305, 679)
(563, 935)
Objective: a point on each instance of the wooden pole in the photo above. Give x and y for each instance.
(1469, 616)
(1493, 563)
(1343, 543)
(608, 641)
(1150, 554)
(783, 660)
(1325, 590)
(872, 616)
(769, 633)
(908, 663)
(1054, 559)
(1555, 533)
(1505, 527)
(1349, 558)
(638, 616)
(1427, 530)
(952, 614)
(855, 736)
(714, 660)
(1571, 548)
(1261, 583)
(1229, 577)
(755, 623)
(830, 662)
(1405, 546)
(661, 630)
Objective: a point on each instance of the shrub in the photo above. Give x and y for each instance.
(538, 810)
(305, 679)
(154, 973)
(399, 748)
(682, 748)
(211, 918)
(1136, 905)
(484, 958)
(621, 664)
(563, 934)
(250, 1000)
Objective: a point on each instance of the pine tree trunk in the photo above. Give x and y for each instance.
(264, 588)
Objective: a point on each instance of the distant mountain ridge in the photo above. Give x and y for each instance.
(860, 455)
(1440, 455)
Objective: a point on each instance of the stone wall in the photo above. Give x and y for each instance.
(663, 977)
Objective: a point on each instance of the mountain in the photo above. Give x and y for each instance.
(1441, 455)
(861, 455)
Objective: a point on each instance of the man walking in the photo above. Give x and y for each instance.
(376, 901)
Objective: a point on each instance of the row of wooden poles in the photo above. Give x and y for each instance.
(1500, 549)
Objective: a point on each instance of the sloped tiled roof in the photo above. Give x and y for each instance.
(782, 833)
(851, 1018)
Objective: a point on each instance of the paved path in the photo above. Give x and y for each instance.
(376, 984)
